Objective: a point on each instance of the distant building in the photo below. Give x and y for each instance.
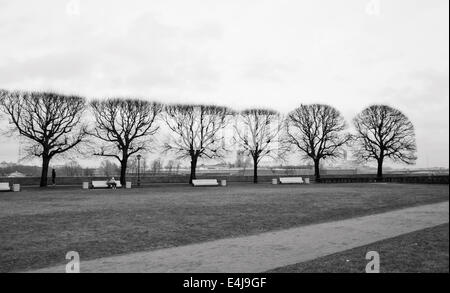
(16, 174)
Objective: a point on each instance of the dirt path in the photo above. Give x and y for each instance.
(269, 250)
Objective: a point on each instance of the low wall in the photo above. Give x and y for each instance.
(397, 178)
(148, 180)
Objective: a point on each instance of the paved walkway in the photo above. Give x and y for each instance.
(269, 250)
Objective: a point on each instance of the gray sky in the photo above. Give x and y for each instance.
(243, 53)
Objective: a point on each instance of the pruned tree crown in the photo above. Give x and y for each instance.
(384, 132)
(257, 132)
(126, 125)
(196, 129)
(317, 130)
(50, 120)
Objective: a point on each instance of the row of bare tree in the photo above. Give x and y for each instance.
(53, 124)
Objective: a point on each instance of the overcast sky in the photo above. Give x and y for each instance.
(241, 53)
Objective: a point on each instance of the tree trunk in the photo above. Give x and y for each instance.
(317, 170)
(44, 173)
(123, 170)
(380, 170)
(193, 168)
(255, 170)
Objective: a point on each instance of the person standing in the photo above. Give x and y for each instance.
(53, 176)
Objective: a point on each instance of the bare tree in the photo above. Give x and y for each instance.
(126, 126)
(71, 168)
(169, 166)
(384, 132)
(49, 121)
(318, 131)
(242, 160)
(156, 166)
(109, 168)
(257, 132)
(196, 132)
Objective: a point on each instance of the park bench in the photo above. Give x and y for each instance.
(4, 186)
(205, 182)
(103, 184)
(291, 180)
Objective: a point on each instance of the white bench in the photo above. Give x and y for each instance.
(4, 186)
(205, 182)
(291, 180)
(103, 184)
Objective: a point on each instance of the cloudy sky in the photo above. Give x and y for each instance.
(243, 53)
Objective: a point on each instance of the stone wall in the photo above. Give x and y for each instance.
(148, 180)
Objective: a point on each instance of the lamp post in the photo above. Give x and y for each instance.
(139, 168)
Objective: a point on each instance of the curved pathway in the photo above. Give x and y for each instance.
(262, 252)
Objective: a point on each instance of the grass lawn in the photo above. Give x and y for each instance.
(38, 227)
(424, 251)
